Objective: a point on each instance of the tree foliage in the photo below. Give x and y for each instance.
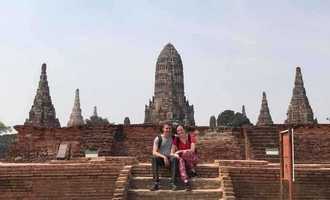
(240, 120)
(232, 119)
(97, 121)
(5, 141)
(4, 128)
(226, 118)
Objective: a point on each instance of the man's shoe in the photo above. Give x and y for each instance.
(174, 187)
(155, 187)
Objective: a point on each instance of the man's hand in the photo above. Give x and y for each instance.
(182, 151)
(177, 152)
(166, 161)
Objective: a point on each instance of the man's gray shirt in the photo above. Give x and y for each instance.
(165, 147)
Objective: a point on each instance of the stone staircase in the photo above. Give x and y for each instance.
(207, 185)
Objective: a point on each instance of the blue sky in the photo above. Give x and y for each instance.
(231, 52)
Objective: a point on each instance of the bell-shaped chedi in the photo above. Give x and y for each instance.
(76, 119)
(127, 121)
(299, 111)
(169, 103)
(264, 118)
(42, 113)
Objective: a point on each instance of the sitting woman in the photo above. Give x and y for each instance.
(183, 148)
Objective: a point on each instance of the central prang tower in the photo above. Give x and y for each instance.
(169, 103)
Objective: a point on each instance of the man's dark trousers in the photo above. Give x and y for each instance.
(158, 162)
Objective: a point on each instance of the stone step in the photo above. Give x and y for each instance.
(203, 171)
(196, 183)
(205, 194)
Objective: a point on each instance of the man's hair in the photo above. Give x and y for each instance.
(163, 125)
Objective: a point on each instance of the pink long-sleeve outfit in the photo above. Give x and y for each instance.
(187, 160)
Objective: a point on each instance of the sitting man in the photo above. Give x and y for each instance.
(161, 156)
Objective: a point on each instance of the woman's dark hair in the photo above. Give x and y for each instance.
(179, 125)
(190, 129)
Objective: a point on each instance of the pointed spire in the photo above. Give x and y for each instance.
(264, 116)
(243, 111)
(95, 111)
(95, 120)
(299, 111)
(42, 113)
(76, 119)
(213, 122)
(299, 83)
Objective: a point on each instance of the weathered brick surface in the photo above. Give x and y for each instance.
(243, 179)
(258, 139)
(260, 180)
(62, 180)
(122, 183)
(40, 144)
(225, 146)
(312, 142)
(135, 140)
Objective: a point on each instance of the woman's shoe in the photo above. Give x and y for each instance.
(188, 186)
(155, 187)
(193, 173)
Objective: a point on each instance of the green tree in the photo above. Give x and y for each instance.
(226, 118)
(5, 141)
(4, 128)
(240, 120)
(232, 119)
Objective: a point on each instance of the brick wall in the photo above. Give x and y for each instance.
(40, 144)
(260, 139)
(224, 146)
(63, 180)
(261, 180)
(312, 143)
(135, 140)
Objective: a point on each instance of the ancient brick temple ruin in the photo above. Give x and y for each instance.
(42, 113)
(299, 111)
(234, 163)
(169, 102)
(264, 115)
